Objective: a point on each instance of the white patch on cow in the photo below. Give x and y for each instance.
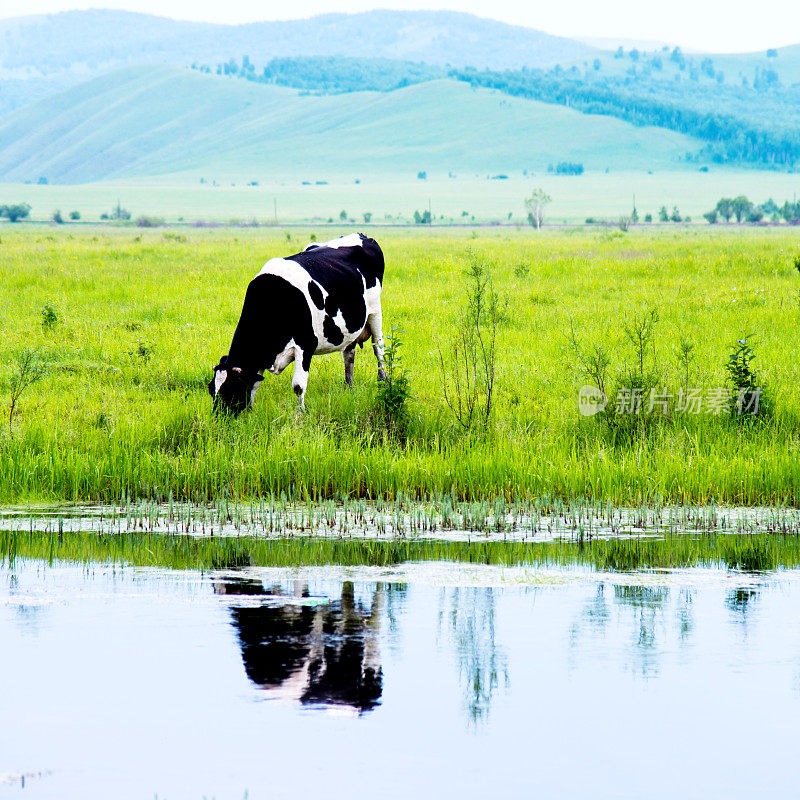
(351, 240)
(295, 275)
(220, 377)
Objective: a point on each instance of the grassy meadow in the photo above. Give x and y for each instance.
(391, 199)
(127, 323)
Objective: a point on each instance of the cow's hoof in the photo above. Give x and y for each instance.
(382, 375)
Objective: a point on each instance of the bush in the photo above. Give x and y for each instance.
(749, 399)
(468, 362)
(391, 402)
(49, 318)
(149, 222)
(118, 212)
(57, 218)
(75, 215)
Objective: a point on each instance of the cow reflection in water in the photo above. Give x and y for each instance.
(315, 654)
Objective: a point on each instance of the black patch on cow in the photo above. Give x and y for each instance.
(331, 332)
(344, 272)
(315, 293)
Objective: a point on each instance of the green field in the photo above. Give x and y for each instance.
(141, 316)
(393, 199)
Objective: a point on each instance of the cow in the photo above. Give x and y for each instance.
(324, 299)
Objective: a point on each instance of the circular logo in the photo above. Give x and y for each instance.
(591, 401)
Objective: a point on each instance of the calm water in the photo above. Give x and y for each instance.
(421, 681)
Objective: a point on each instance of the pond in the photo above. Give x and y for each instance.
(420, 679)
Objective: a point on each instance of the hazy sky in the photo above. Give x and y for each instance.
(730, 26)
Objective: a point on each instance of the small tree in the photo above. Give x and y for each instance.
(741, 207)
(74, 215)
(367, 217)
(28, 370)
(663, 214)
(16, 211)
(57, 217)
(725, 208)
(394, 392)
(711, 216)
(343, 215)
(468, 363)
(676, 215)
(535, 206)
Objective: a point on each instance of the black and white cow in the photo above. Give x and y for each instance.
(325, 299)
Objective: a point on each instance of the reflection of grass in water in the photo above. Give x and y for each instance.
(748, 552)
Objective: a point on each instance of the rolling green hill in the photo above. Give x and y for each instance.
(160, 120)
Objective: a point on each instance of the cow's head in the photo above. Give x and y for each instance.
(233, 388)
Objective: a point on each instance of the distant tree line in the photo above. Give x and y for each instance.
(332, 74)
(731, 138)
(566, 168)
(742, 209)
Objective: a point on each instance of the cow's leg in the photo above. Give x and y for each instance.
(375, 323)
(349, 356)
(302, 363)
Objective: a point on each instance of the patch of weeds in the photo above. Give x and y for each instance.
(468, 365)
(173, 237)
(749, 400)
(391, 401)
(144, 351)
(49, 318)
(522, 270)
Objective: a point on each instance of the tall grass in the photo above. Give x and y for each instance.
(123, 409)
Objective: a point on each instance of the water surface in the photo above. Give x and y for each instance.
(427, 680)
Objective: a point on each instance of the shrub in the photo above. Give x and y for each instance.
(468, 365)
(712, 217)
(749, 399)
(393, 394)
(74, 215)
(49, 318)
(149, 222)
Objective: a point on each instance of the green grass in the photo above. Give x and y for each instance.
(756, 552)
(392, 199)
(123, 408)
